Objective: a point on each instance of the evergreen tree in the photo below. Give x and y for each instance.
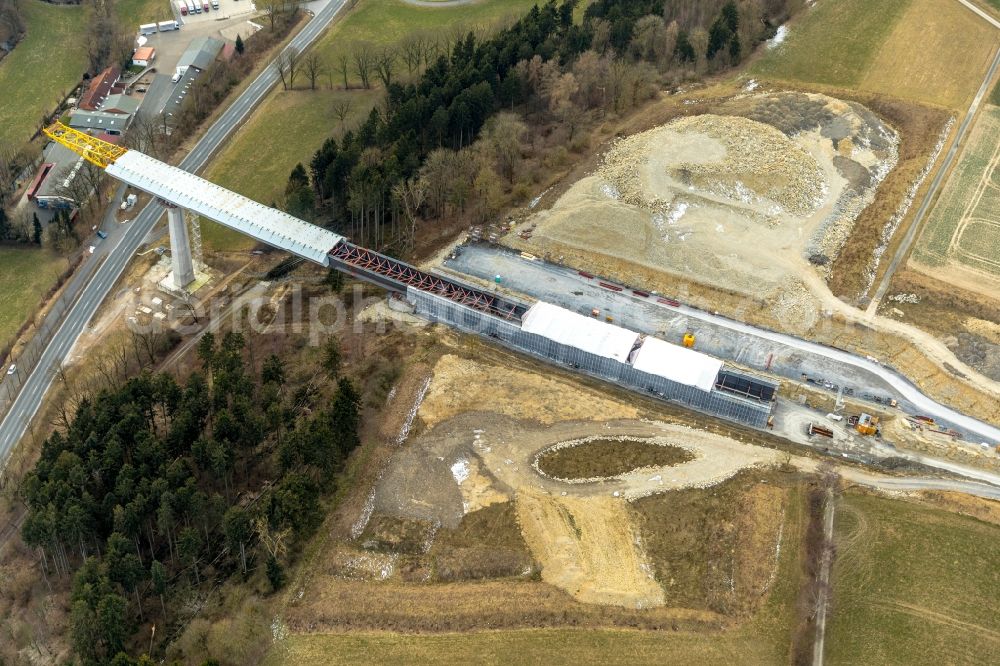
(275, 574)
(158, 577)
(237, 528)
(335, 280)
(239, 45)
(273, 371)
(332, 357)
(36, 226)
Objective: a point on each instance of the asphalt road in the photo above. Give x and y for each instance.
(746, 344)
(911, 231)
(117, 251)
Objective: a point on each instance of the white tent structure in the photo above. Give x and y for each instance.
(575, 330)
(676, 363)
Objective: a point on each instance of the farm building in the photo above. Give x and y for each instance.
(119, 103)
(144, 56)
(58, 169)
(200, 54)
(99, 88)
(100, 121)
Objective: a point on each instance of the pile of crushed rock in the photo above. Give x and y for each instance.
(760, 164)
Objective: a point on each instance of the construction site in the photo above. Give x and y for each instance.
(626, 405)
(652, 344)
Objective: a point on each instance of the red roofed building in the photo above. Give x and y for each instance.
(144, 56)
(110, 138)
(99, 88)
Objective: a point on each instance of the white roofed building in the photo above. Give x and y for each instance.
(576, 330)
(676, 363)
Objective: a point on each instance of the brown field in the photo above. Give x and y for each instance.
(461, 386)
(937, 53)
(700, 540)
(919, 128)
(912, 585)
(538, 619)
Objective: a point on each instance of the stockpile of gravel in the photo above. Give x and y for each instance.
(760, 165)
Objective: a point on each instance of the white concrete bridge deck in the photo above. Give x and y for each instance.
(228, 208)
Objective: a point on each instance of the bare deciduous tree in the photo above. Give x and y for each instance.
(144, 135)
(72, 186)
(343, 67)
(412, 49)
(385, 65)
(8, 167)
(364, 61)
(341, 110)
(287, 65)
(314, 66)
(505, 133)
(410, 194)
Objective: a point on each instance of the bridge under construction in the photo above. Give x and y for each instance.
(556, 335)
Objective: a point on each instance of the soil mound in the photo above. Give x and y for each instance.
(601, 458)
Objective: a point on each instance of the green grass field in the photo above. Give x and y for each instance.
(133, 13)
(953, 206)
(290, 126)
(762, 640)
(832, 43)
(42, 69)
(287, 129)
(26, 274)
(381, 22)
(913, 585)
(929, 51)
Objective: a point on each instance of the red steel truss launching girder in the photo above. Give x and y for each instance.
(405, 275)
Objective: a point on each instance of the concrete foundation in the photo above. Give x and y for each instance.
(180, 249)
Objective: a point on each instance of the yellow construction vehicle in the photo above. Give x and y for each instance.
(867, 424)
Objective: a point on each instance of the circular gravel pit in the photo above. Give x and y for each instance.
(597, 458)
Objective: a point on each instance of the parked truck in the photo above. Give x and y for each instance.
(815, 429)
(166, 26)
(147, 29)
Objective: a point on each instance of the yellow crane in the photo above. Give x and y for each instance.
(94, 150)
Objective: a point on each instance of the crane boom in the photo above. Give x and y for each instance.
(99, 152)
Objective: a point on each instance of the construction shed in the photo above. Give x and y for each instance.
(673, 362)
(574, 330)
